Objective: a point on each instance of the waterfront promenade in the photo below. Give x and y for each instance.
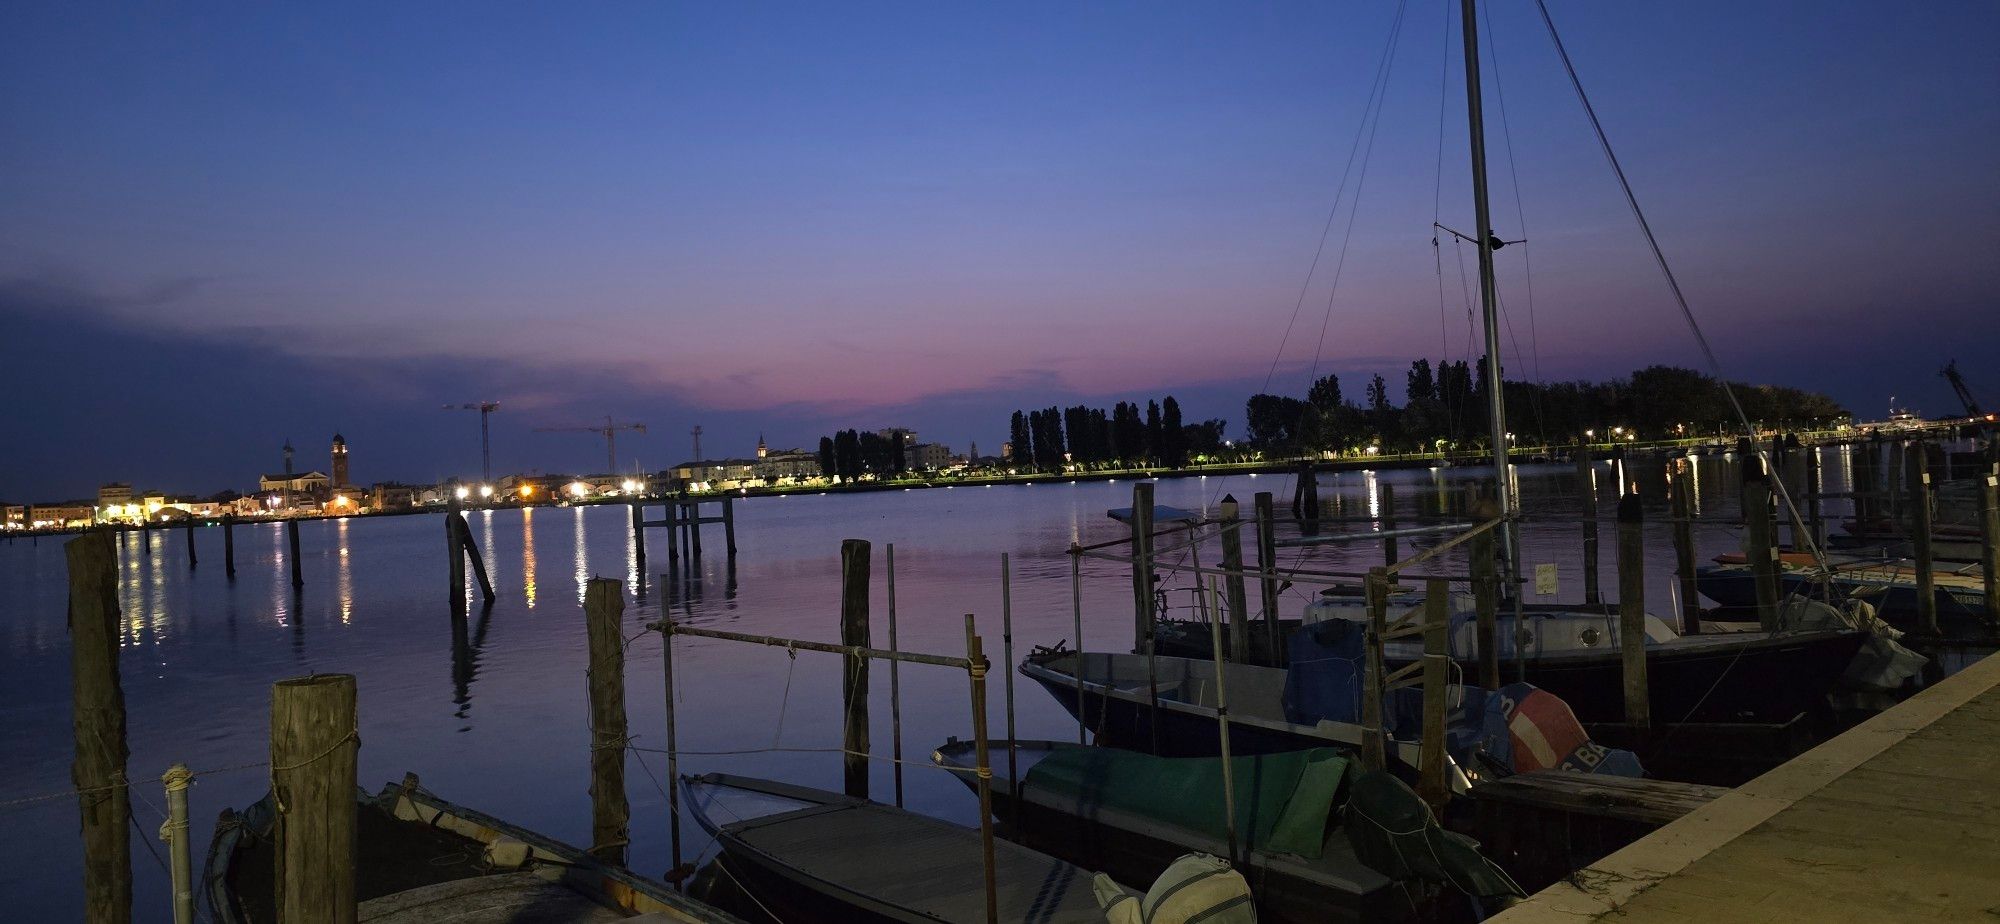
(1896, 820)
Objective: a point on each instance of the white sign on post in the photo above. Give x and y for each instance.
(1545, 580)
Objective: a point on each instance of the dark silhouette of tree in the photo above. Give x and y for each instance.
(1153, 432)
(827, 465)
(1023, 444)
(1128, 433)
(1173, 438)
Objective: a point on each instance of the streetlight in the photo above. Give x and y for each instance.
(485, 490)
(463, 492)
(577, 488)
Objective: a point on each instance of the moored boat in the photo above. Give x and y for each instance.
(808, 854)
(420, 858)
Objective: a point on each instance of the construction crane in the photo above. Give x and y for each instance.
(1950, 374)
(610, 433)
(485, 409)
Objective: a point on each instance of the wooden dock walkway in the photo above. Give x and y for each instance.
(1896, 820)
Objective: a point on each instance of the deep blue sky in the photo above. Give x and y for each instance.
(225, 226)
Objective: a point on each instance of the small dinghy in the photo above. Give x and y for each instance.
(809, 854)
(421, 859)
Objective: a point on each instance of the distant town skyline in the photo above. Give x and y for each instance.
(223, 229)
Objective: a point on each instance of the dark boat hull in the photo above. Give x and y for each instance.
(1136, 726)
(1128, 855)
(1959, 612)
(1766, 680)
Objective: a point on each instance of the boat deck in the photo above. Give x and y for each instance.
(923, 864)
(1896, 820)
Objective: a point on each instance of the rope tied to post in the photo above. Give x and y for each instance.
(277, 794)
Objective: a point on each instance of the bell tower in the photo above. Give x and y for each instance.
(339, 461)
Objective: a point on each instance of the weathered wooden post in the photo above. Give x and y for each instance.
(610, 813)
(314, 743)
(1309, 484)
(639, 533)
(187, 529)
(1486, 600)
(1681, 486)
(1388, 521)
(1920, 535)
(455, 554)
(229, 545)
(98, 719)
(896, 676)
(1076, 613)
(673, 533)
(694, 529)
(1760, 546)
(666, 626)
(1632, 610)
(1142, 565)
(854, 573)
(729, 524)
(1373, 755)
(1989, 541)
(1815, 523)
(1896, 486)
(292, 536)
(1007, 658)
(1232, 562)
(1437, 677)
(1866, 504)
(180, 865)
(1586, 489)
(1267, 567)
(471, 552)
(976, 668)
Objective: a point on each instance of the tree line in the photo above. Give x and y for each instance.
(1127, 436)
(850, 454)
(1445, 407)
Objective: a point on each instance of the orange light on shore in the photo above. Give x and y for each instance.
(527, 490)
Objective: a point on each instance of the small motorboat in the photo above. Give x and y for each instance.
(421, 859)
(809, 854)
(1133, 815)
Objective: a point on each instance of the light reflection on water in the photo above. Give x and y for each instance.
(490, 709)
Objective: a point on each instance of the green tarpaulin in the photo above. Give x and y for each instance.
(1283, 801)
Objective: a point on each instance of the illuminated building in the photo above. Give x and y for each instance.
(339, 461)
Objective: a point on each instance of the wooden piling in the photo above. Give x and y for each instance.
(187, 530)
(1760, 547)
(98, 718)
(229, 545)
(1919, 507)
(610, 813)
(1989, 541)
(1586, 489)
(1388, 521)
(292, 536)
(454, 550)
(1373, 754)
(1267, 568)
(1681, 486)
(673, 533)
(976, 670)
(729, 523)
(1232, 562)
(146, 534)
(1866, 503)
(314, 743)
(471, 552)
(1309, 484)
(896, 677)
(1142, 565)
(1815, 519)
(854, 573)
(1896, 485)
(180, 862)
(1632, 610)
(639, 534)
(694, 529)
(666, 626)
(1437, 677)
(1007, 685)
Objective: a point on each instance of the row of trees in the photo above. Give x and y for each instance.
(1447, 404)
(850, 454)
(1051, 439)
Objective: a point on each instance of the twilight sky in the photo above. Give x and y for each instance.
(228, 225)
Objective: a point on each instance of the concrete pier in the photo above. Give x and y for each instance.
(1896, 820)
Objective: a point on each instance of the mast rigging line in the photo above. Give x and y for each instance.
(1673, 284)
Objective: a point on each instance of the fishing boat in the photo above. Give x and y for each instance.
(1889, 587)
(1572, 651)
(419, 858)
(1132, 815)
(808, 854)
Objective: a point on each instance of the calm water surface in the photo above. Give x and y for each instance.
(498, 721)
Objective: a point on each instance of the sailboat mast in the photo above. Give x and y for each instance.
(1496, 410)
